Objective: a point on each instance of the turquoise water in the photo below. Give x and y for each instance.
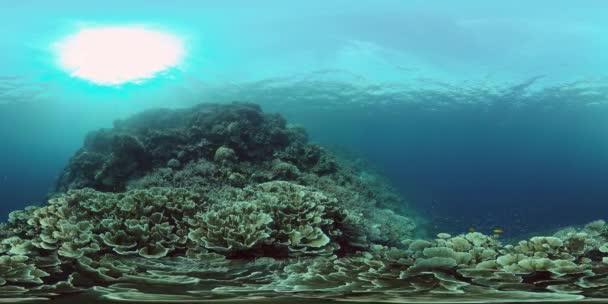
(482, 115)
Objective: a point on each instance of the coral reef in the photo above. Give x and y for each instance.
(168, 138)
(225, 199)
(301, 221)
(219, 148)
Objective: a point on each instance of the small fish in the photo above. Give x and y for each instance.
(472, 229)
(498, 231)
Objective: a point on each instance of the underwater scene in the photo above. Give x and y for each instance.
(303, 152)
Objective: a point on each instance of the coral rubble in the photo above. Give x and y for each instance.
(227, 199)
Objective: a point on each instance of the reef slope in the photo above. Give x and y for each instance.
(227, 202)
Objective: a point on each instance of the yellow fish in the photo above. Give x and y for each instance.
(498, 231)
(472, 229)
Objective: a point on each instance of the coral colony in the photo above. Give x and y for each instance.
(227, 199)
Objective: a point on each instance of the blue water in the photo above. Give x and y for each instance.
(449, 101)
(521, 168)
(522, 172)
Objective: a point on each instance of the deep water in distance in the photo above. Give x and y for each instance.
(520, 170)
(533, 163)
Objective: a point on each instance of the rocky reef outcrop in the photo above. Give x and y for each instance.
(226, 200)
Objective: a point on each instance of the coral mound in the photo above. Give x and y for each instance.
(234, 152)
(171, 138)
(227, 201)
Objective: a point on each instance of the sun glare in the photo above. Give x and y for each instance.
(119, 54)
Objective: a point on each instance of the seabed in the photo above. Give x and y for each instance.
(223, 203)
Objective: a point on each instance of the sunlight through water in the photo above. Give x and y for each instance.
(114, 55)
